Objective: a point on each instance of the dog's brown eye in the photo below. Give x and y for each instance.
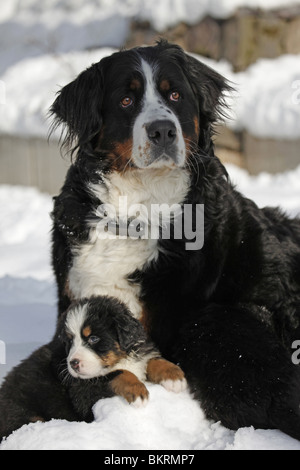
(93, 339)
(126, 102)
(174, 96)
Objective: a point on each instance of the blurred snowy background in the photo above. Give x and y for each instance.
(44, 45)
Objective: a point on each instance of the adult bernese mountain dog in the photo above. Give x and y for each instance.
(141, 123)
(99, 350)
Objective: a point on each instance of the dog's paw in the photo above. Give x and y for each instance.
(167, 374)
(128, 386)
(175, 386)
(137, 395)
(140, 402)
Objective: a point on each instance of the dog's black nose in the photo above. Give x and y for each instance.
(161, 132)
(75, 364)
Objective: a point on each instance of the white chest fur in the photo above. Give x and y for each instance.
(102, 266)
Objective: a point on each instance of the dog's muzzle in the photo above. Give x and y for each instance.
(162, 135)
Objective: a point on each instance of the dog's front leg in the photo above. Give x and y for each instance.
(127, 385)
(170, 376)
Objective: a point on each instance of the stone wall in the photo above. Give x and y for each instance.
(257, 154)
(240, 39)
(31, 161)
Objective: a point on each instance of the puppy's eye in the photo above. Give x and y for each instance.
(174, 96)
(93, 339)
(126, 102)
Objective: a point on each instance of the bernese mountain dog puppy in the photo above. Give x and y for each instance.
(99, 350)
(217, 284)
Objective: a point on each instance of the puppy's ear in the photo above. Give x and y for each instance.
(78, 108)
(130, 332)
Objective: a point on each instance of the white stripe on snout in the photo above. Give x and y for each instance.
(153, 108)
(74, 323)
(152, 102)
(90, 365)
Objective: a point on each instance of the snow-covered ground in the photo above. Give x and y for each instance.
(27, 320)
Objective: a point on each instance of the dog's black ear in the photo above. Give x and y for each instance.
(130, 331)
(210, 88)
(78, 107)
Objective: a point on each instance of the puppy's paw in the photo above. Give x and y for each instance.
(137, 395)
(175, 386)
(139, 402)
(131, 388)
(170, 376)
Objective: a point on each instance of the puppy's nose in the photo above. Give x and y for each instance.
(161, 132)
(75, 364)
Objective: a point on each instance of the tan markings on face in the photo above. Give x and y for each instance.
(121, 155)
(192, 139)
(86, 331)
(164, 85)
(135, 84)
(113, 357)
(196, 124)
(159, 370)
(190, 144)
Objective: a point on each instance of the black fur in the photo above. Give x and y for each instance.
(227, 313)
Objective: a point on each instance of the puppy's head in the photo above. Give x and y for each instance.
(98, 333)
(148, 107)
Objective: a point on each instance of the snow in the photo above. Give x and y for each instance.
(169, 422)
(267, 103)
(54, 16)
(27, 320)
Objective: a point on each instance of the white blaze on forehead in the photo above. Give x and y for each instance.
(154, 108)
(90, 365)
(75, 320)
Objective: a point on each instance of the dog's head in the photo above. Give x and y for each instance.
(144, 107)
(98, 334)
